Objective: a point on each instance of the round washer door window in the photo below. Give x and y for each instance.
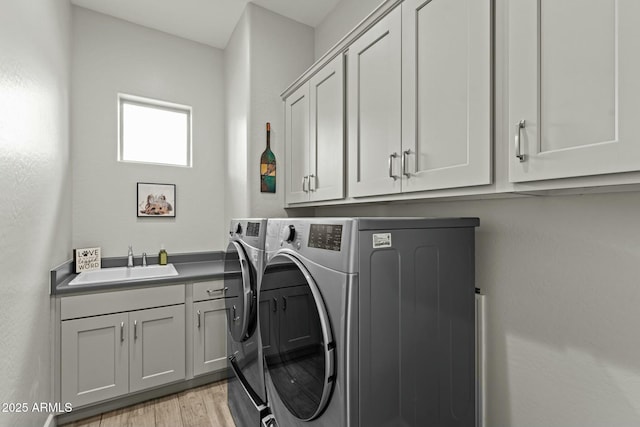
(239, 279)
(297, 341)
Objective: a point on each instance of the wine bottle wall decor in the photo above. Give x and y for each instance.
(268, 167)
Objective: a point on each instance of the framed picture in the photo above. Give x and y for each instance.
(156, 200)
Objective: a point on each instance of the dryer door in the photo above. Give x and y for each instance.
(297, 340)
(239, 279)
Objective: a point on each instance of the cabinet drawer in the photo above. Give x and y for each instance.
(208, 290)
(119, 301)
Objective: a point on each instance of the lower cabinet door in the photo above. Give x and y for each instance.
(298, 322)
(94, 358)
(210, 336)
(157, 353)
(268, 322)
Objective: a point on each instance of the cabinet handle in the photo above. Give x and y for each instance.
(284, 303)
(198, 319)
(235, 318)
(405, 153)
(214, 291)
(121, 331)
(304, 183)
(312, 178)
(519, 126)
(391, 157)
(135, 329)
(275, 305)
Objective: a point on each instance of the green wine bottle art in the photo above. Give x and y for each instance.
(268, 167)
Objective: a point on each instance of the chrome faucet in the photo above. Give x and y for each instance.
(130, 257)
(144, 259)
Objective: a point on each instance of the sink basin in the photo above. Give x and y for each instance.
(122, 274)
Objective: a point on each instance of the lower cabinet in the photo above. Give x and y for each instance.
(116, 343)
(209, 336)
(110, 355)
(95, 358)
(156, 352)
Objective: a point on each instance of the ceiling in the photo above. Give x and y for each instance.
(205, 21)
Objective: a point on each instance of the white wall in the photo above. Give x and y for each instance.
(237, 79)
(281, 50)
(111, 56)
(265, 54)
(35, 212)
(342, 19)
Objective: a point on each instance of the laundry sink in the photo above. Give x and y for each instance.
(123, 274)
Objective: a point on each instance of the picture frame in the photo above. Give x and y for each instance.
(156, 200)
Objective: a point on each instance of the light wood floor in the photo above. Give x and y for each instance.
(204, 406)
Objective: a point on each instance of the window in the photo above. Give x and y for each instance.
(152, 131)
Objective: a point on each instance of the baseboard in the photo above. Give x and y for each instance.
(51, 421)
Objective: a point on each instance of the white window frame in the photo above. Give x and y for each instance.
(160, 105)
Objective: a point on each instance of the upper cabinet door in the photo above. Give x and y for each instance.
(573, 84)
(374, 108)
(326, 157)
(446, 94)
(297, 145)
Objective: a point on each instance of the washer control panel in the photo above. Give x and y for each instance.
(330, 242)
(325, 236)
(253, 229)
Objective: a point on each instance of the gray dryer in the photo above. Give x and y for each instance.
(369, 322)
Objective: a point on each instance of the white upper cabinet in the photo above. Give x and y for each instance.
(374, 108)
(418, 106)
(446, 94)
(326, 156)
(297, 145)
(419, 99)
(574, 84)
(314, 119)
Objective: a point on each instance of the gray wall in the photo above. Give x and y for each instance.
(346, 15)
(35, 213)
(111, 56)
(275, 50)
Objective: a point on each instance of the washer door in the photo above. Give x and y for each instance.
(239, 279)
(296, 336)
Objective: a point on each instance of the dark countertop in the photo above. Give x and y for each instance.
(191, 268)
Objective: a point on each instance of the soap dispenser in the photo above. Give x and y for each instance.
(162, 256)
